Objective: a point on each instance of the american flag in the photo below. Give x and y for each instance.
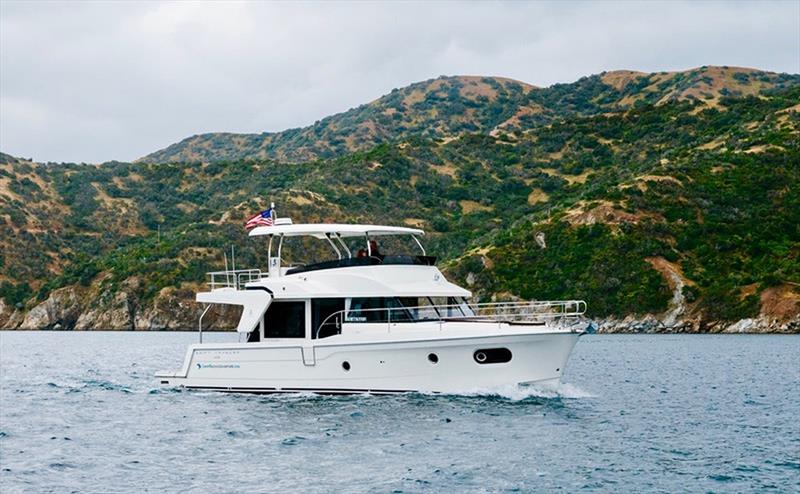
(264, 218)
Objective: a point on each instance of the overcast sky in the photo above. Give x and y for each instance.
(111, 80)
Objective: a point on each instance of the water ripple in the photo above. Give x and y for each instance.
(638, 414)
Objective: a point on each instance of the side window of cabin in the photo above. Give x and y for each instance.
(465, 307)
(324, 318)
(419, 308)
(254, 336)
(445, 306)
(285, 320)
(398, 308)
(378, 309)
(363, 310)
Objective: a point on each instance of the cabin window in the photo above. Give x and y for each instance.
(254, 336)
(366, 310)
(403, 309)
(419, 308)
(377, 309)
(467, 309)
(285, 320)
(397, 310)
(450, 306)
(324, 318)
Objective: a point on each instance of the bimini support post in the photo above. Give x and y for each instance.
(338, 252)
(200, 321)
(419, 243)
(344, 245)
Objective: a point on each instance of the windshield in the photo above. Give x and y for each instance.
(302, 251)
(384, 245)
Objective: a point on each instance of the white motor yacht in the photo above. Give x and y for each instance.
(371, 322)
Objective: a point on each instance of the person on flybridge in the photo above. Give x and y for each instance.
(372, 252)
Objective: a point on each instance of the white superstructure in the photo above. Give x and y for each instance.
(371, 322)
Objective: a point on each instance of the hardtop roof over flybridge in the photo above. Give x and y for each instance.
(322, 230)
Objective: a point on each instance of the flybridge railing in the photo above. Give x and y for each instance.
(534, 313)
(235, 279)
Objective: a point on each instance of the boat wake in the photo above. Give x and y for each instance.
(517, 392)
(511, 392)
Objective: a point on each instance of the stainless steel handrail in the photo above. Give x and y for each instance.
(232, 278)
(511, 311)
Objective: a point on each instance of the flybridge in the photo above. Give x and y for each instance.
(343, 255)
(335, 233)
(285, 227)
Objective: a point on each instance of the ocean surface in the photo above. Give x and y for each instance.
(81, 412)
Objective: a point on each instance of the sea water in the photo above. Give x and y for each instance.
(81, 412)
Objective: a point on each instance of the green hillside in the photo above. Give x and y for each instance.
(626, 192)
(449, 106)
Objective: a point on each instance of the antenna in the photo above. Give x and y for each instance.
(227, 276)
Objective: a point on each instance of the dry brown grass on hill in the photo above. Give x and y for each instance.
(604, 212)
(300, 200)
(618, 79)
(446, 169)
(472, 206)
(414, 222)
(780, 302)
(514, 120)
(537, 195)
(571, 179)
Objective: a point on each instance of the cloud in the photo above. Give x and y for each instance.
(117, 80)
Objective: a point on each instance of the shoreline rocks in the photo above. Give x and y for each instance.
(88, 309)
(103, 306)
(651, 324)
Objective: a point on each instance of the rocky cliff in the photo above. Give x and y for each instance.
(80, 308)
(779, 313)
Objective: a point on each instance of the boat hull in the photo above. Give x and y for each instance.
(426, 364)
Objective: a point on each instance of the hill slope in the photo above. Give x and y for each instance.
(448, 106)
(683, 208)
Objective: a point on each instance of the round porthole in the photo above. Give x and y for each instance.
(346, 365)
(480, 357)
(433, 358)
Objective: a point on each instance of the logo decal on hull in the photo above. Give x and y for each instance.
(217, 366)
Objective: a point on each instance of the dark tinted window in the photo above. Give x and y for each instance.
(321, 309)
(285, 320)
(377, 309)
(362, 310)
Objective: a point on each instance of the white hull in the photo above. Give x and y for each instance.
(381, 363)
